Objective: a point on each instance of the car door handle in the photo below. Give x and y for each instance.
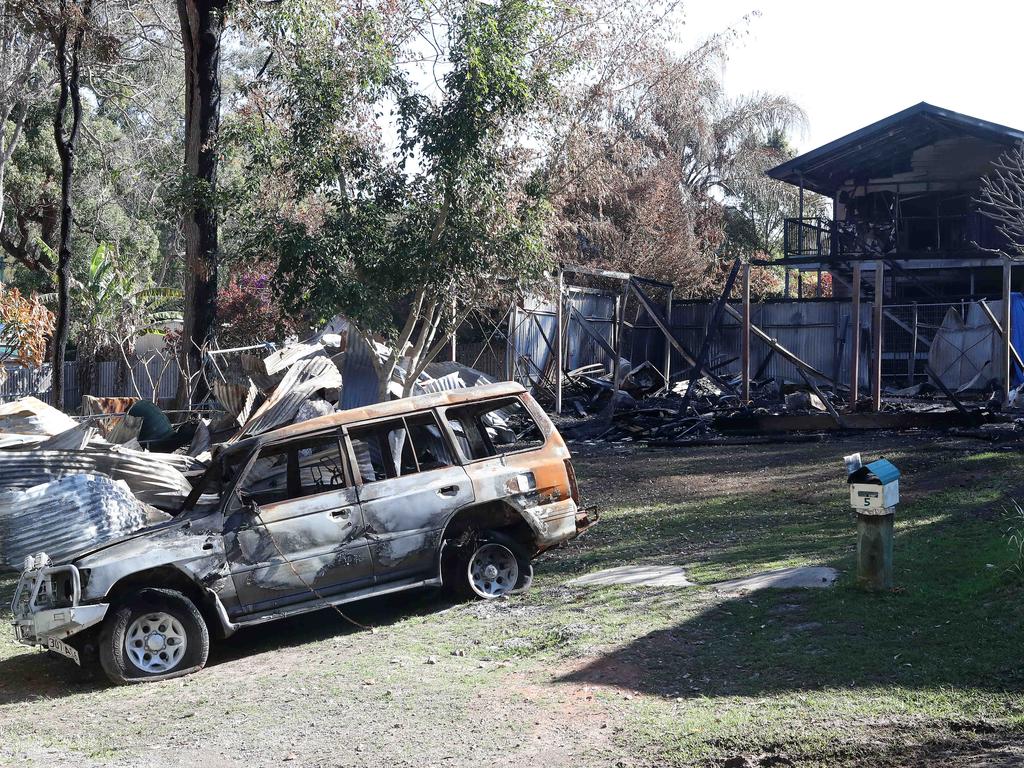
(342, 513)
(448, 490)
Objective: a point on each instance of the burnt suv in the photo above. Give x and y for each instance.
(457, 489)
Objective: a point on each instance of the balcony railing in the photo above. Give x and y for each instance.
(808, 237)
(817, 238)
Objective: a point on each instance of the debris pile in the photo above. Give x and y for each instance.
(71, 484)
(702, 410)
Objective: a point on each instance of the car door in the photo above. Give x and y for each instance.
(409, 485)
(297, 533)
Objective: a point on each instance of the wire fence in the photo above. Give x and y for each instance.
(908, 332)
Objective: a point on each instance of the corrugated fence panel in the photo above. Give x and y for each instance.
(112, 380)
(533, 336)
(817, 332)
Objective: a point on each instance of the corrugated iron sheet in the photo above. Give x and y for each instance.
(301, 381)
(815, 331)
(154, 478)
(66, 516)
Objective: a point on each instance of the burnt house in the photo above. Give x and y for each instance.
(904, 191)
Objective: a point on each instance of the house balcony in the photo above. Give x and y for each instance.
(918, 241)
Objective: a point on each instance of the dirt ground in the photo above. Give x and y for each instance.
(617, 676)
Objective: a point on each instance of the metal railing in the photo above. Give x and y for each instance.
(808, 237)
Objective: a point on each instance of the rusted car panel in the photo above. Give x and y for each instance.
(350, 505)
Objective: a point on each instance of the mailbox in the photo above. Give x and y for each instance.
(874, 487)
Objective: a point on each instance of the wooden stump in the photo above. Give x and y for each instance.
(874, 551)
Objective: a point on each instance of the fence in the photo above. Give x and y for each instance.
(519, 345)
(155, 379)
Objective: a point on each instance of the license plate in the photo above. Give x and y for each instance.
(59, 646)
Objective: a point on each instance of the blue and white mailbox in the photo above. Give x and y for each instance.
(874, 487)
(874, 494)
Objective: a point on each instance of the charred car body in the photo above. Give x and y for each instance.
(460, 489)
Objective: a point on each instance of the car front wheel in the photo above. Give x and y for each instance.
(155, 634)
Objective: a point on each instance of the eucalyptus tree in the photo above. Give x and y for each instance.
(66, 23)
(23, 79)
(392, 195)
(202, 28)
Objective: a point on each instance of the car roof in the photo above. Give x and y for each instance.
(398, 407)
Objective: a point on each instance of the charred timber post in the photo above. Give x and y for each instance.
(453, 338)
(559, 341)
(912, 360)
(620, 314)
(1007, 362)
(855, 338)
(745, 338)
(876, 333)
(668, 347)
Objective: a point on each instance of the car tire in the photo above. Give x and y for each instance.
(513, 571)
(155, 634)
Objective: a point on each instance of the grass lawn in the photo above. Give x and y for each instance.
(633, 676)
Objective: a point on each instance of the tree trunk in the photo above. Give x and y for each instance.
(202, 22)
(68, 39)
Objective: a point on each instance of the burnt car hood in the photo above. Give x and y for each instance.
(168, 530)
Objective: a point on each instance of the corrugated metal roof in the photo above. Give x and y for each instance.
(886, 146)
(155, 478)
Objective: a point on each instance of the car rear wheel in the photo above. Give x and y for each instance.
(155, 634)
(493, 567)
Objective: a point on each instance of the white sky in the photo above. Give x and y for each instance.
(849, 63)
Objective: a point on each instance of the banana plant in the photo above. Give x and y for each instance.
(110, 311)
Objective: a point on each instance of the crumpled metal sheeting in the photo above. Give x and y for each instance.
(66, 516)
(298, 385)
(154, 478)
(236, 398)
(286, 357)
(75, 438)
(69, 440)
(31, 416)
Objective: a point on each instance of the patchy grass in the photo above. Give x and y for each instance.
(620, 675)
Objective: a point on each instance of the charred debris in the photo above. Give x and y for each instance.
(124, 463)
(730, 381)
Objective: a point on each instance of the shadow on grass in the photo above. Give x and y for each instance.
(955, 620)
(34, 675)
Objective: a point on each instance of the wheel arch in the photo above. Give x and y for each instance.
(170, 577)
(473, 519)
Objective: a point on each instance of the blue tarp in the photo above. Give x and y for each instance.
(1017, 332)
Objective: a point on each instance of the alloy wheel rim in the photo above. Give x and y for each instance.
(493, 571)
(155, 642)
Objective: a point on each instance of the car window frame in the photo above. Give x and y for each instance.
(465, 460)
(446, 436)
(288, 441)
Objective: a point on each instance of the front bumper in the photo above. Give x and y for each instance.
(57, 623)
(36, 620)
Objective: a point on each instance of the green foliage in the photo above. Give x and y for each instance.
(111, 310)
(367, 229)
(112, 203)
(1015, 536)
